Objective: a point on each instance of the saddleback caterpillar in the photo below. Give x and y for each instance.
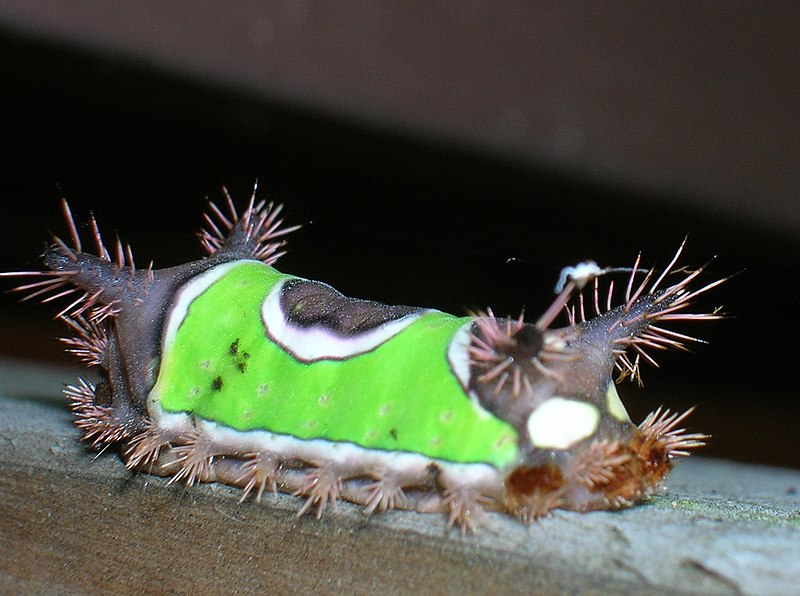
(228, 370)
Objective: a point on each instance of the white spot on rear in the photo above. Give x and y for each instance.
(560, 423)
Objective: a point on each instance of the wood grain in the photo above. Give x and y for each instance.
(74, 523)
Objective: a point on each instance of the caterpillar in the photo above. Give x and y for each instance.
(227, 370)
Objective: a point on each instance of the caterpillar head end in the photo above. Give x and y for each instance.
(579, 449)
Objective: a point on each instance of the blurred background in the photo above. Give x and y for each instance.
(454, 155)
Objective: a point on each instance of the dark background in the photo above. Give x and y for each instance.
(451, 158)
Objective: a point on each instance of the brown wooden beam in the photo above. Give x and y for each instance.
(74, 522)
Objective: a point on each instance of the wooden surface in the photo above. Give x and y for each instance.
(74, 523)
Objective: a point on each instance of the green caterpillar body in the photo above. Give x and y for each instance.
(228, 370)
(390, 388)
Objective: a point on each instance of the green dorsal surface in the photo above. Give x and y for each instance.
(401, 396)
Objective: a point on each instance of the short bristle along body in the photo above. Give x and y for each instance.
(225, 369)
